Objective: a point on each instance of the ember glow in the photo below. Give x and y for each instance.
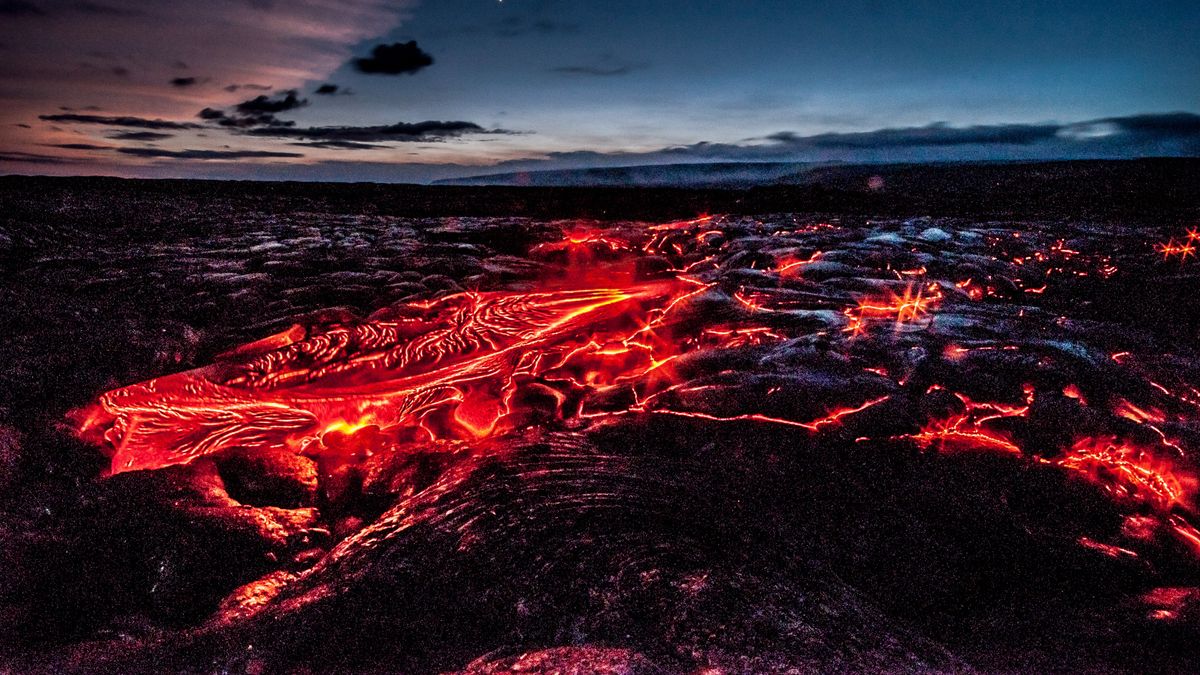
(1183, 248)
(1172, 248)
(909, 307)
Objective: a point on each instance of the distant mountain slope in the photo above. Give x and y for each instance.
(1142, 190)
(720, 174)
(918, 184)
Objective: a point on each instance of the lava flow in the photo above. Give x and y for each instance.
(472, 365)
(449, 366)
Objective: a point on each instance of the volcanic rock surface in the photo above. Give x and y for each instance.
(779, 443)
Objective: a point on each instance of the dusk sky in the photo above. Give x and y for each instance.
(417, 91)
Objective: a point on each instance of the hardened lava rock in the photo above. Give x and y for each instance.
(738, 444)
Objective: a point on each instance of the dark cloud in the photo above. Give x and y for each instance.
(243, 121)
(1162, 124)
(184, 81)
(266, 120)
(23, 7)
(251, 87)
(400, 132)
(328, 89)
(79, 146)
(33, 158)
(598, 71)
(336, 170)
(257, 112)
(394, 59)
(938, 134)
(1180, 125)
(286, 101)
(19, 8)
(140, 136)
(206, 154)
(22, 125)
(1153, 135)
(118, 121)
(341, 145)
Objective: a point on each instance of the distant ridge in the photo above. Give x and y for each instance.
(1127, 191)
(702, 175)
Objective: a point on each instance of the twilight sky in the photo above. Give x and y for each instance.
(396, 90)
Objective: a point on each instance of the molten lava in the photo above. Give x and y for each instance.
(911, 306)
(449, 366)
(1131, 473)
(479, 364)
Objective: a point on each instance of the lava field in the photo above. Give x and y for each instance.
(314, 442)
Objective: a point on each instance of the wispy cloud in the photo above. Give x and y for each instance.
(139, 136)
(118, 121)
(286, 101)
(207, 154)
(35, 158)
(598, 71)
(80, 146)
(1162, 134)
(128, 54)
(399, 132)
(341, 145)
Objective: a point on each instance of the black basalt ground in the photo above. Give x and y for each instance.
(654, 543)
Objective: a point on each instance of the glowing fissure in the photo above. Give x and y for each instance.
(463, 352)
(467, 366)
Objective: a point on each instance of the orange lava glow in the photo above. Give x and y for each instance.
(1131, 473)
(451, 365)
(793, 266)
(474, 365)
(1139, 476)
(971, 429)
(818, 424)
(910, 307)
(581, 243)
(1172, 248)
(1126, 471)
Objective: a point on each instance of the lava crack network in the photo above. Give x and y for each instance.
(449, 366)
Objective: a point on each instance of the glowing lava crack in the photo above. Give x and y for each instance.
(448, 367)
(473, 365)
